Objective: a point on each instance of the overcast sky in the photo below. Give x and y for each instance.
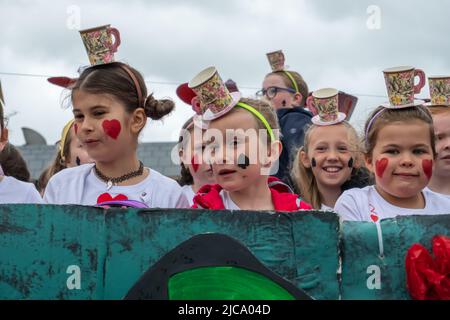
(338, 43)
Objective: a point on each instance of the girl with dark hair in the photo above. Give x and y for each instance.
(111, 106)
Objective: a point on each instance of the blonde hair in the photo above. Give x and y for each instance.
(303, 177)
(436, 110)
(59, 161)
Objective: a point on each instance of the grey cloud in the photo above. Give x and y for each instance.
(328, 42)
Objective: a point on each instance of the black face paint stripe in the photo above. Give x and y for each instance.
(350, 163)
(243, 161)
(78, 161)
(283, 103)
(313, 162)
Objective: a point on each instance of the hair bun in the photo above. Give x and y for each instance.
(157, 109)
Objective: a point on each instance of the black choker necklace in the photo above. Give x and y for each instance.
(111, 181)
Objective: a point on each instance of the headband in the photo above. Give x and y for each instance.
(64, 134)
(372, 120)
(259, 116)
(141, 102)
(376, 115)
(292, 80)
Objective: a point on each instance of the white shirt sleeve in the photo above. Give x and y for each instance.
(348, 207)
(49, 193)
(33, 196)
(182, 202)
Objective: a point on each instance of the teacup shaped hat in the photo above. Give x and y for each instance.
(212, 96)
(326, 103)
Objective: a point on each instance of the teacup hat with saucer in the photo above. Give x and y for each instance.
(326, 102)
(439, 91)
(400, 87)
(215, 100)
(277, 64)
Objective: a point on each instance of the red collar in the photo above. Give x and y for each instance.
(208, 197)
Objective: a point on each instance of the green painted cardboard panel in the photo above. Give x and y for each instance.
(114, 247)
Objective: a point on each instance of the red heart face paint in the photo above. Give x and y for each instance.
(427, 166)
(194, 163)
(75, 128)
(112, 128)
(380, 166)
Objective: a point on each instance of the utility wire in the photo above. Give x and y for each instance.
(166, 83)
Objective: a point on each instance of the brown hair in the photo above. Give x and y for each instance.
(58, 163)
(381, 116)
(185, 176)
(303, 177)
(13, 164)
(266, 111)
(114, 79)
(301, 84)
(435, 110)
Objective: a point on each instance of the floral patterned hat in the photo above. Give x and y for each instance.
(326, 103)
(439, 91)
(213, 98)
(99, 44)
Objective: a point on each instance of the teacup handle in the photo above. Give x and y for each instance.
(421, 84)
(116, 35)
(310, 105)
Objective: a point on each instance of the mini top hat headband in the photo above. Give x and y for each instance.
(64, 134)
(276, 61)
(215, 100)
(326, 102)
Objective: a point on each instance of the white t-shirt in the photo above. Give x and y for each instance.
(227, 202)
(358, 204)
(324, 207)
(16, 191)
(189, 194)
(80, 185)
(441, 194)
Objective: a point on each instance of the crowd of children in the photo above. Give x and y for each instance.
(288, 150)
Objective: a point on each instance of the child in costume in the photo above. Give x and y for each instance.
(194, 172)
(400, 150)
(439, 108)
(242, 145)
(330, 159)
(287, 91)
(71, 153)
(13, 190)
(111, 106)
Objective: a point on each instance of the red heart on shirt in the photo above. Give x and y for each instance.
(107, 197)
(374, 217)
(112, 128)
